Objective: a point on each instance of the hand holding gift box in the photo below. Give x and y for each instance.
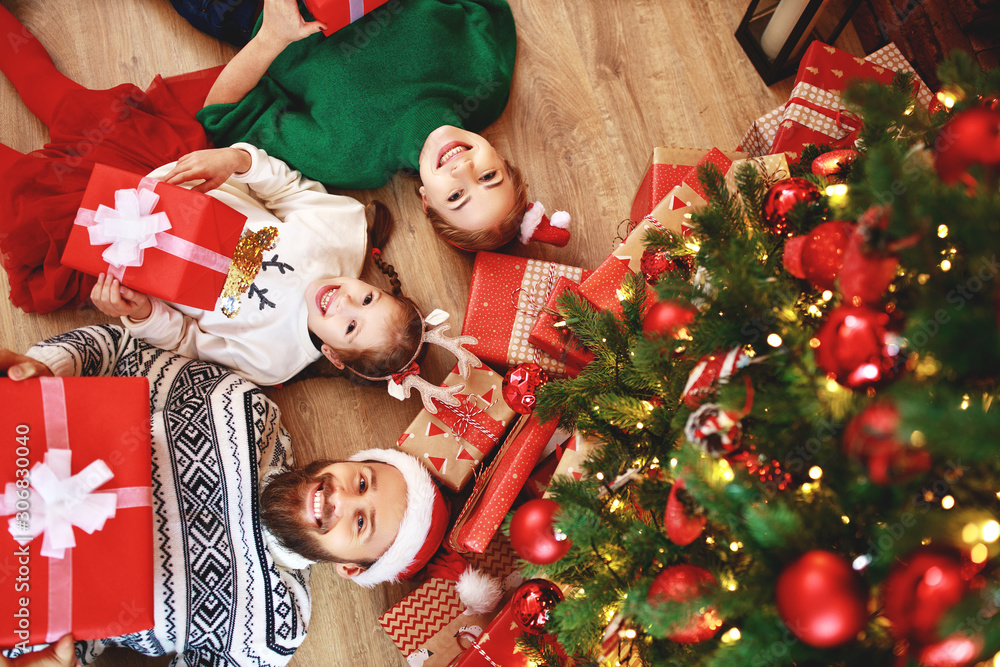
(337, 14)
(78, 491)
(453, 442)
(158, 239)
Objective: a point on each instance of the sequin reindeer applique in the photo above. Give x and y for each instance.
(247, 260)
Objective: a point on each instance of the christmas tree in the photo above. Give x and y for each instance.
(800, 447)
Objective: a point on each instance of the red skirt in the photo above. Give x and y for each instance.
(123, 127)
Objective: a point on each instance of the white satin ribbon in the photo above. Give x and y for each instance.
(60, 500)
(130, 227)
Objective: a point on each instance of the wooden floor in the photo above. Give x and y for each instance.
(598, 84)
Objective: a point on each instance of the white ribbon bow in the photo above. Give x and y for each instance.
(130, 227)
(58, 501)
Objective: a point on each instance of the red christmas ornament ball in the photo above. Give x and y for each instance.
(972, 137)
(823, 253)
(854, 347)
(872, 437)
(821, 600)
(834, 163)
(919, 592)
(784, 196)
(519, 386)
(990, 103)
(666, 318)
(533, 535)
(681, 583)
(531, 604)
(958, 650)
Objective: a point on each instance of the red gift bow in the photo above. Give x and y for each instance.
(412, 369)
(485, 431)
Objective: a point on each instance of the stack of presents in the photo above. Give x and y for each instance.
(481, 450)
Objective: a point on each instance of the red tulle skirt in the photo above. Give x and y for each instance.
(124, 127)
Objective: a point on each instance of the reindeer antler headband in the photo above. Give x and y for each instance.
(408, 377)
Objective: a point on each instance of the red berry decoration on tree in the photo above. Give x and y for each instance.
(972, 137)
(682, 583)
(667, 318)
(519, 386)
(854, 347)
(533, 534)
(819, 255)
(872, 438)
(713, 430)
(683, 526)
(835, 165)
(821, 600)
(917, 595)
(784, 196)
(532, 602)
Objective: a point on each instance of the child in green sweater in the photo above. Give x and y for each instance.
(401, 88)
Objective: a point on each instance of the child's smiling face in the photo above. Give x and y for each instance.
(464, 179)
(350, 316)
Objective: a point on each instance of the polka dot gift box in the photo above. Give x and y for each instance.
(506, 297)
(498, 485)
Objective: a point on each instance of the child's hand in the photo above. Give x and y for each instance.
(214, 166)
(112, 299)
(283, 24)
(60, 654)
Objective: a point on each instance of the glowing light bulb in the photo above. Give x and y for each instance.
(815, 472)
(945, 265)
(836, 190)
(942, 231)
(774, 340)
(948, 502)
(970, 533)
(991, 531)
(979, 553)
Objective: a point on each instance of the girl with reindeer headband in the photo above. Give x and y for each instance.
(306, 301)
(399, 89)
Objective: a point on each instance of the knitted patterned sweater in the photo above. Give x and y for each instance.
(220, 596)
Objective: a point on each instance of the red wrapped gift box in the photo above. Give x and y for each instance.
(603, 287)
(498, 485)
(188, 262)
(70, 423)
(505, 298)
(337, 14)
(497, 645)
(559, 341)
(667, 168)
(815, 112)
(425, 624)
(454, 442)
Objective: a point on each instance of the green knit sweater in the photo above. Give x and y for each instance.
(352, 109)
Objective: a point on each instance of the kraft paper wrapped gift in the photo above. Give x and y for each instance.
(673, 212)
(498, 485)
(551, 335)
(86, 568)
(575, 452)
(667, 168)
(337, 14)
(505, 299)
(453, 443)
(425, 624)
(159, 239)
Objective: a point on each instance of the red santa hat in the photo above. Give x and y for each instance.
(536, 226)
(422, 528)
